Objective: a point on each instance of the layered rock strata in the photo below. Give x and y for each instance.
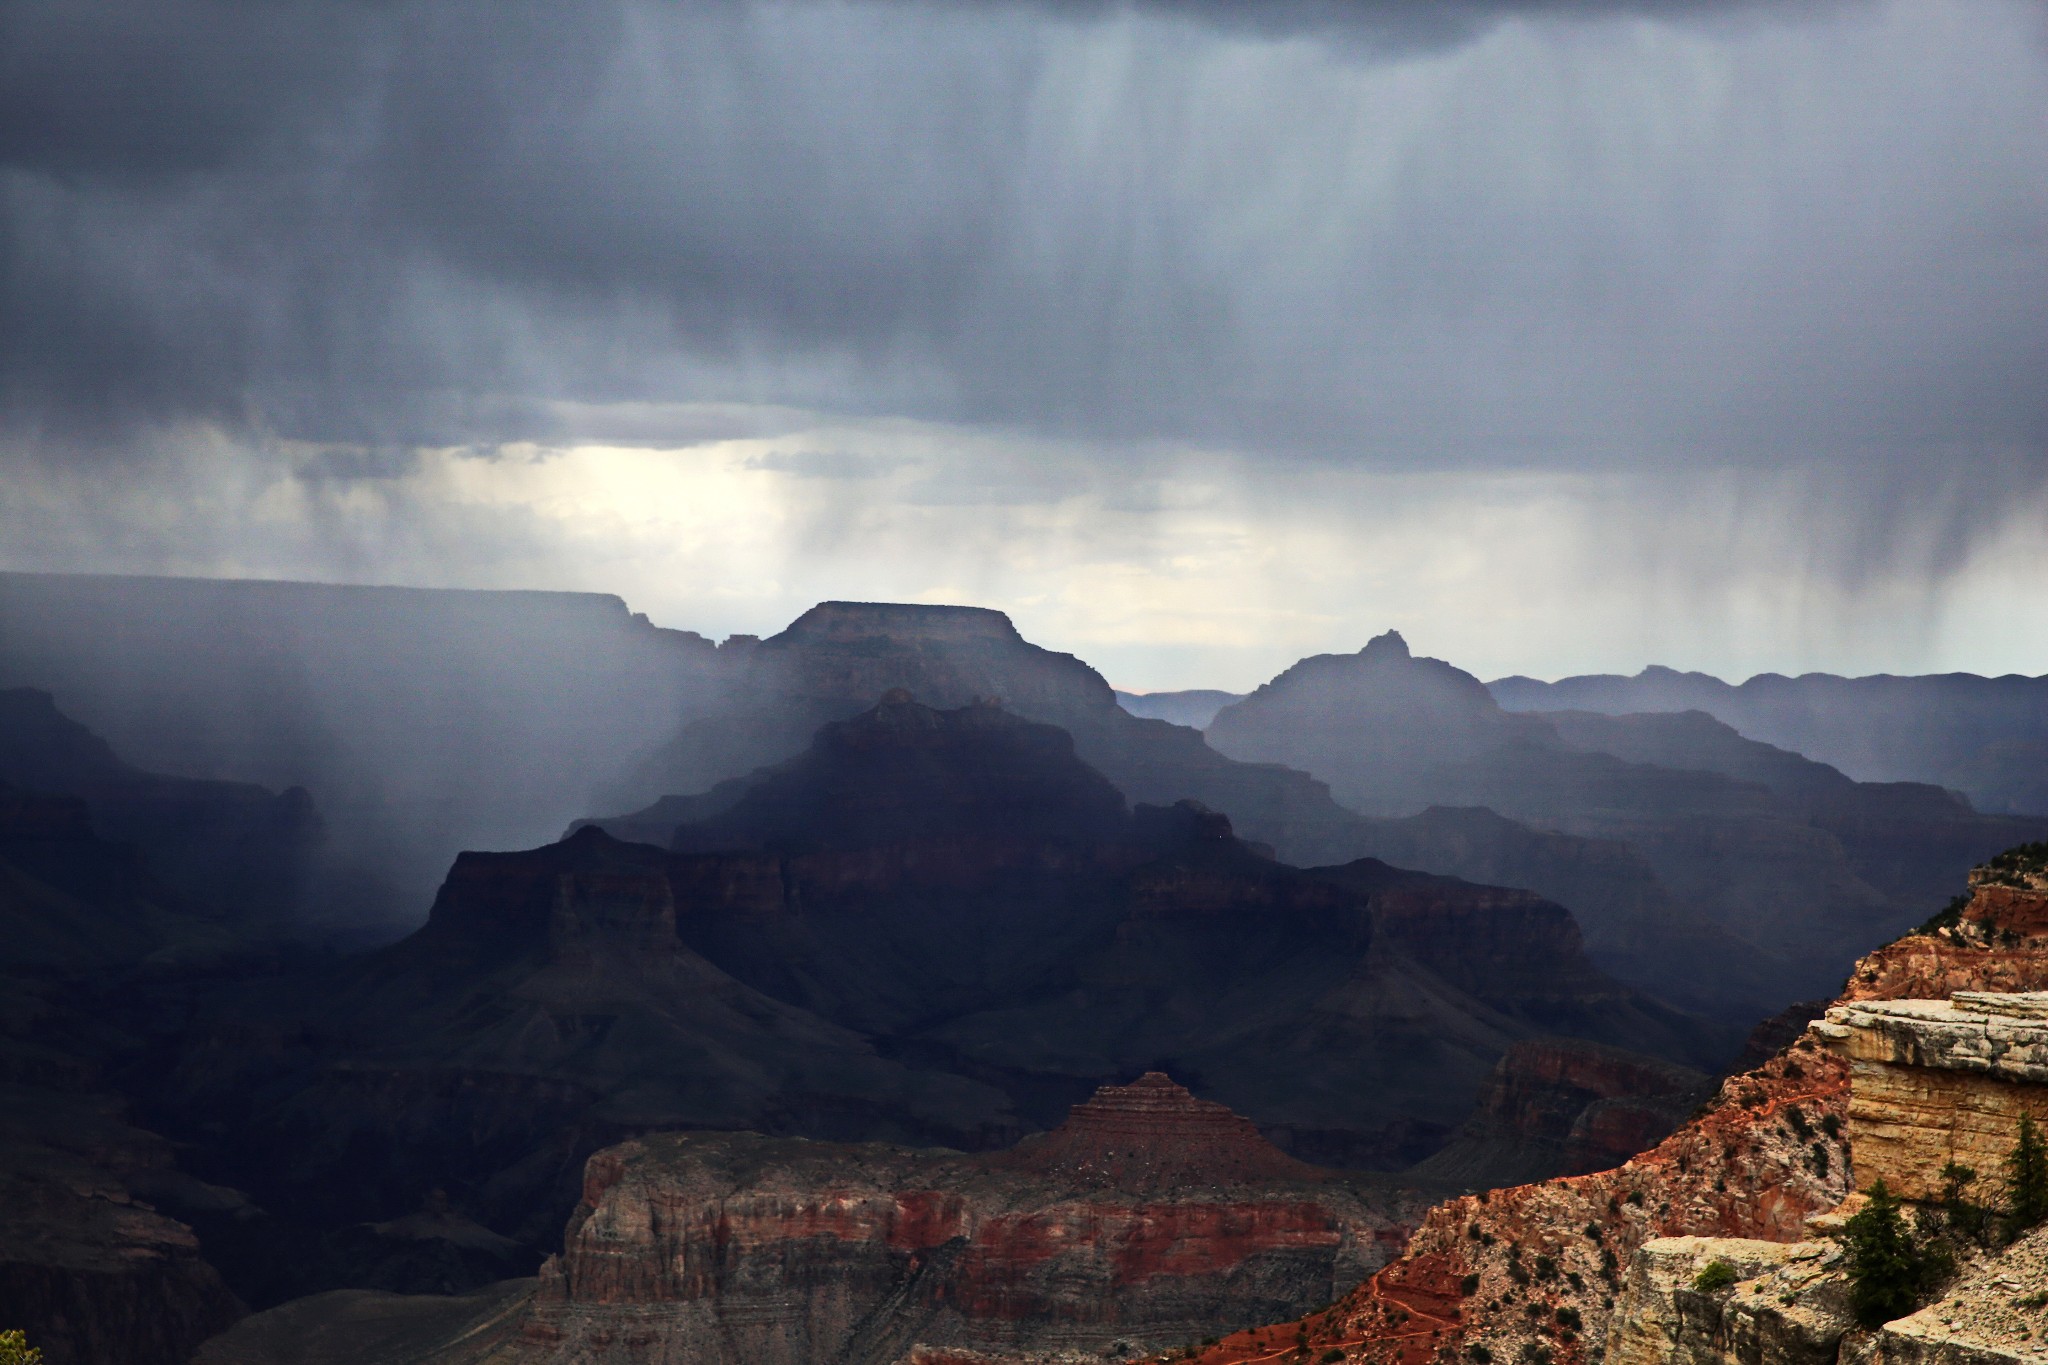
(1939, 1081)
(1534, 1273)
(1149, 1219)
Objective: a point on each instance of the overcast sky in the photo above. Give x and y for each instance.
(1198, 335)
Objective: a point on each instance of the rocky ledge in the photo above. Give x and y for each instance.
(1939, 1081)
(1997, 1035)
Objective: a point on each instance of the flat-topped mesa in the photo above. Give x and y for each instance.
(1154, 1133)
(843, 621)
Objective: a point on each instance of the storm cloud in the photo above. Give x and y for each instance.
(1807, 241)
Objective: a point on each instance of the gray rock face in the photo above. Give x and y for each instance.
(1788, 1307)
(1991, 1315)
(1994, 1034)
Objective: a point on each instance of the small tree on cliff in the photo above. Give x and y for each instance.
(1885, 1269)
(2026, 1168)
(15, 1350)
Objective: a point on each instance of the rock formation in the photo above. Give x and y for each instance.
(1149, 1218)
(1939, 1081)
(1788, 1304)
(934, 927)
(893, 880)
(834, 660)
(1536, 1272)
(546, 1008)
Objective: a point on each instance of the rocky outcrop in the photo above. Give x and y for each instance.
(1787, 1304)
(1152, 1135)
(1934, 1082)
(1790, 1306)
(90, 1269)
(1149, 1218)
(1534, 1273)
(1991, 1314)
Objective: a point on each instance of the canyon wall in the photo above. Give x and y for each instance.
(1147, 1219)
(1534, 1273)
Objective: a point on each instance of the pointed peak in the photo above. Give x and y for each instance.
(1154, 1133)
(1389, 646)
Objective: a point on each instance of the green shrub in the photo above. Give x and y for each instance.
(1948, 917)
(1887, 1270)
(15, 1350)
(1796, 1116)
(2026, 1168)
(1714, 1277)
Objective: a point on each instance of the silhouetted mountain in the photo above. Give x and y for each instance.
(233, 844)
(423, 722)
(835, 659)
(71, 902)
(990, 945)
(1635, 927)
(931, 926)
(1194, 708)
(1985, 737)
(1763, 845)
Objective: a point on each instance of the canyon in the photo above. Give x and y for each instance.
(932, 928)
(1540, 1271)
(893, 895)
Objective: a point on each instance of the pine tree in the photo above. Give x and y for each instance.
(2026, 1200)
(15, 1350)
(1885, 1270)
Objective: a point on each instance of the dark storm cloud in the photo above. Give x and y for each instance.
(381, 225)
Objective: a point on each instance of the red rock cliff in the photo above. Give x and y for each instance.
(1148, 1219)
(1530, 1273)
